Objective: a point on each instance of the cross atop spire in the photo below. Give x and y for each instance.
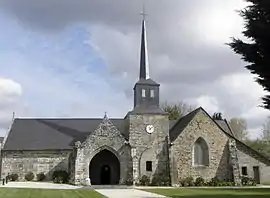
(105, 115)
(143, 13)
(144, 65)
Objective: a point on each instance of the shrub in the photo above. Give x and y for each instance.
(13, 177)
(60, 176)
(129, 182)
(247, 181)
(145, 180)
(160, 180)
(199, 181)
(41, 176)
(188, 181)
(29, 176)
(214, 181)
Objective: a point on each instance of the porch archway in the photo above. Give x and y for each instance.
(104, 168)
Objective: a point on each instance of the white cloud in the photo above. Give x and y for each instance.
(209, 103)
(10, 91)
(10, 95)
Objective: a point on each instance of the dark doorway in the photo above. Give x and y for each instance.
(104, 169)
(105, 175)
(256, 172)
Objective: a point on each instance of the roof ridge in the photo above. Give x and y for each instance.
(72, 118)
(178, 120)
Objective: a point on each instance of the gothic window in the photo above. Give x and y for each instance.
(148, 165)
(200, 153)
(152, 93)
(143, 93)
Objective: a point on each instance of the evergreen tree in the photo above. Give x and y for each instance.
(256, 52)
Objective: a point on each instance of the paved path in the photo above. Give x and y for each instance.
(44, 185)
(127, 193)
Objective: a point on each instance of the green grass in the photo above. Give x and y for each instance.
(212, 193)
(46, 193)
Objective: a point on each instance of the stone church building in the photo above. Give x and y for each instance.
(111, 151)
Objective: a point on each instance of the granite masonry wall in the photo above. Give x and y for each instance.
(21, 162)
(249, 159)
(108, 137)
(149, 147)
(182, 151)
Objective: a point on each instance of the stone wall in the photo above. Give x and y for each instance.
(149, 147)
(108, 137)
(21, 162)
(249, 158)
(182, 148)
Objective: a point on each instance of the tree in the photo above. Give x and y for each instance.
(256, 52)
(177, 110)
(239, 128)
(266, 130)
(260, 146)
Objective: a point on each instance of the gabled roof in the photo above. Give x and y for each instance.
(47, 134)
(225, 126)
(183, 122)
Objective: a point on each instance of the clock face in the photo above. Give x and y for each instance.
(150, 128)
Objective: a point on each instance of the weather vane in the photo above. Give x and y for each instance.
(143, 14)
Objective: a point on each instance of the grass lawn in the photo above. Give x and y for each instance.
(46, 193)
(212, 193)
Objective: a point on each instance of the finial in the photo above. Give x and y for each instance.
(143, 14)
(105, 114)
(13, 115)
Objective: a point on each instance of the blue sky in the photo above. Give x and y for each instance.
(58, 73)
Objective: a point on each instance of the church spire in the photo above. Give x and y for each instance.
(144, 64)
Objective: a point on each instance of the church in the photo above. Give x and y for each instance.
(109, 151)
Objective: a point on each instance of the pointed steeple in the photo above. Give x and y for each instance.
(144, 64)
(146, 90)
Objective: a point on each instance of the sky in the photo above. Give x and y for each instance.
(65, 58)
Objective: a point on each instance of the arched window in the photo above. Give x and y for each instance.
(200, 153)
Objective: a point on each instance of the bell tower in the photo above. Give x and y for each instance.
(148, 124)
(146, 90)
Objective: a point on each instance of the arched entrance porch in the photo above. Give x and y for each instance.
(104, 168)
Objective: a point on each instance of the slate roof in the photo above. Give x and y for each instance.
(147, 110)
(181, 124)
(225, 126)
(148, 81)
(46, 134)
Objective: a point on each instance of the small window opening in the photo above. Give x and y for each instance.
(148, 166)
(143, 93)
(244, 170)
(152, 93)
